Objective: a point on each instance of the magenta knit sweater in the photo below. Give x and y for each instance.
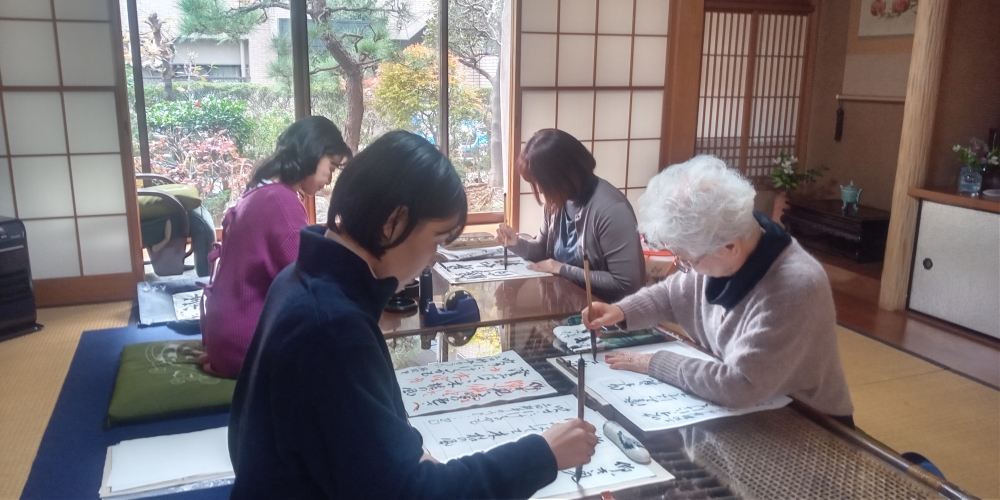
(260, 237)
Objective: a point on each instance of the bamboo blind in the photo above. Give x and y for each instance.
(751, 87)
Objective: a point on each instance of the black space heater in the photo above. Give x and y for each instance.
(17, 296)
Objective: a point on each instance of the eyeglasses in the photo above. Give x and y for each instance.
(684, 265)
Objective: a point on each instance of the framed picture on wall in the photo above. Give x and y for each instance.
(887, 18)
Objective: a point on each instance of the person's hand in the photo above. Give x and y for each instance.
(600, 314)
(427, 457)
(546, 266)
(571, 442)
(638, 363)
(506, 235)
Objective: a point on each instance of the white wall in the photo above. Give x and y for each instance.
(60, 153)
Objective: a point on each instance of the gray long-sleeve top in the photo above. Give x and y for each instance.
(606, 226)
(780, 339)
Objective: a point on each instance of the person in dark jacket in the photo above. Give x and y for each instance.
(317, 411)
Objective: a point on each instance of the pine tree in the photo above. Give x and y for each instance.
(353, 33)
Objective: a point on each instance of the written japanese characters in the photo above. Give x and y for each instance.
(576, 338)
(469, 383)
(187, 305)
(476, 271)
(466, 432)
(653, 405)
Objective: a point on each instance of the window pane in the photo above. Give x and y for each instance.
(384, 79)
(216, 96)
(476, 110)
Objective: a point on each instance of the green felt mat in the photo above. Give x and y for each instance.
(162, 380)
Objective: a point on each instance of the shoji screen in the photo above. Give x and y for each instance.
(596, 69)
(752, 75)
(65, 153)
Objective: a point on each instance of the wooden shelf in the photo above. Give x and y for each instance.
(949, 198)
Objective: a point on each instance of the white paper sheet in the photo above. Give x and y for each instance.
(466, 432)
(469, 383)
(477, 271)
(576, 338)
(187, 305)
(470, 253)
(653, 405)
(168, 460)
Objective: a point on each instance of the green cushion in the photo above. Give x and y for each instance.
(162, 380)
(151, 207)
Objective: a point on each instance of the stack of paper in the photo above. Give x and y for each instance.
(470, 253)
(155, 466)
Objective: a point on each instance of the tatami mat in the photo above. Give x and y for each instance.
(907, 403)
(912, 405)
(32, 369)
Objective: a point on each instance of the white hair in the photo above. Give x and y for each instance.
(696, 207)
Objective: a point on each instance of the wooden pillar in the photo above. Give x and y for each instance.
(914, 149)
(683, 78)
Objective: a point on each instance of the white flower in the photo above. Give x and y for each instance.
(788, 168)
(957, 148)
(994, 160)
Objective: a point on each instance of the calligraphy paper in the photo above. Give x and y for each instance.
(470, 253)
(477, 271)
(576, 338)
(654, 405)
(462, 433)
(469, 383)
(187, 305)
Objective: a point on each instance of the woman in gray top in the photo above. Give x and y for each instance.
(746, 292)
(583, 213)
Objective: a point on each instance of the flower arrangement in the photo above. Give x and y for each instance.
(977, 155)
(786, 178)
(894, 8)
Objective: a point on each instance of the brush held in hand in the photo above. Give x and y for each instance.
(590, 304)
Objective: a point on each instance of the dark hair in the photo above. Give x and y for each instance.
(557, 166)
(400, 169)
(299, 150)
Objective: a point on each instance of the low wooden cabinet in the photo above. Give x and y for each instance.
(822, 225)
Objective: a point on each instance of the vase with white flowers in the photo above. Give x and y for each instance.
(787, 178)
(978, 161)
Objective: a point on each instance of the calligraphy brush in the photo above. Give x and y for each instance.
(505, 248)
(581, 398)
(590, 304)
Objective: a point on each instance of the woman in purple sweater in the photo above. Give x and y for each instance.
(260, 237)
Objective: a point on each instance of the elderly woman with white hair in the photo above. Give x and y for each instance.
(746, 291)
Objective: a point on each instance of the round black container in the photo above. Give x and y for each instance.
(426, 293)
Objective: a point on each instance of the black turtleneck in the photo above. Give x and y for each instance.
(317, 411)
(729, 291)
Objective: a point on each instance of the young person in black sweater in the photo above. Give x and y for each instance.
(317, 412)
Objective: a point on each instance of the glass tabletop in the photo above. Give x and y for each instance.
(791, 452)
(500, 302)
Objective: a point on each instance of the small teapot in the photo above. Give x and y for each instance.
(849, 194)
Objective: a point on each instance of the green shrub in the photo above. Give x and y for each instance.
(208, 115)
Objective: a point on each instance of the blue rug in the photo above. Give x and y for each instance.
(70, 460)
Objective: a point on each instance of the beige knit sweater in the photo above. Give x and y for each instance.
(779, 340)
